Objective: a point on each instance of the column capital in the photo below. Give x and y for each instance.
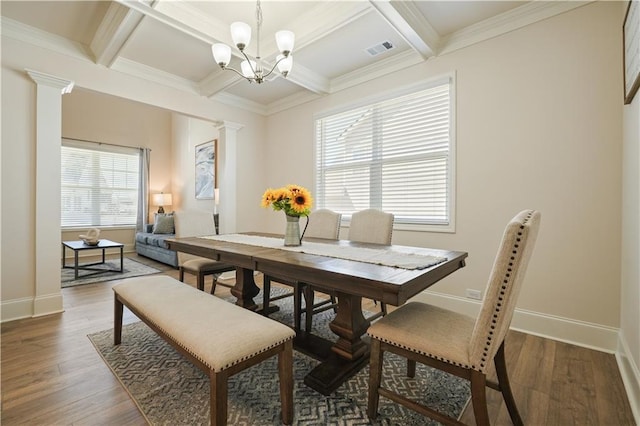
(66, 86)
(228, 125)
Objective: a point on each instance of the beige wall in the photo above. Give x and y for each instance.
(538, 126)
(97, 117)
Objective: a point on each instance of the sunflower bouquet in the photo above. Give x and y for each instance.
(294, 200)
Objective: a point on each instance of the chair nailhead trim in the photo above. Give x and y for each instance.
(235, 361)
(430, 355)
(505, 281)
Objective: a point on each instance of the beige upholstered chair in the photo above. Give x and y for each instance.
(371, 226)
(325, 224)
(196, 223)
(456, 343)
(367, 226)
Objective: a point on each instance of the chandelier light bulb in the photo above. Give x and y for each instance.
(248, 68)
(285, 40)
(285, 63)
(221, 54)
(241, 34)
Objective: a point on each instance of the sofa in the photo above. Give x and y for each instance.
(152, 242)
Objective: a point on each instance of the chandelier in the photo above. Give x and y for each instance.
(253, 70)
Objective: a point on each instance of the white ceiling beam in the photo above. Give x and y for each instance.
(116, 28)
(324, 19)
(412, 26)
(171, 21)
(218, 81)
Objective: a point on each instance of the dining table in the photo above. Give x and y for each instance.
(391, 274)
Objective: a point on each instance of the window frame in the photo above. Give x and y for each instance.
(450, 78)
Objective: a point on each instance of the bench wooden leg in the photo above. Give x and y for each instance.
(117, 320)
(218, 397)
(200, 281)
(285, 369)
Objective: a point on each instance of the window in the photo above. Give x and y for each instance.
(99, 184)
(394, 154)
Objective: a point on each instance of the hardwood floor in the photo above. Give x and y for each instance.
(51, 374)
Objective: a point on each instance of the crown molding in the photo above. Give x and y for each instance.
(291, 101)
(218, 81)
(512, 20)
(25, 33)
(392, 64)
(238, 102)
(144, 72)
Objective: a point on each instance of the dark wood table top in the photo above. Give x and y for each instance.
(385, 283)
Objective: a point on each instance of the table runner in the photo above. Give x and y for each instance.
(394, 256)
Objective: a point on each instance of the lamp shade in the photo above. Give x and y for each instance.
(285, 40)
(241, 34)
(162, 199)
(285, 64)
(221, 54)
(248, 68)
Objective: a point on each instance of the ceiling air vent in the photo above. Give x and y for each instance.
(380, 48)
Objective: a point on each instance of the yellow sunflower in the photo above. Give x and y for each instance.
(301, 200)
(295, 200)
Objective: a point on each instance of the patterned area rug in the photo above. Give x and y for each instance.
(170, 391)
(131, 269)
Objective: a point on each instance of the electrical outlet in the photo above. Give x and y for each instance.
(474, 294)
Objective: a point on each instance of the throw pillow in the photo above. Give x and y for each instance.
(164, 224)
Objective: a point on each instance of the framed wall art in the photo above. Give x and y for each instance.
(631, 37)
(206, 167)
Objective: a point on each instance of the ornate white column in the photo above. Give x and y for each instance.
(47, 250)
(227, 174)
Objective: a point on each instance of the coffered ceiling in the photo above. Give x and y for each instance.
(169, 42)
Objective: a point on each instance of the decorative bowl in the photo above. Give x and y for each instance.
(90, 241)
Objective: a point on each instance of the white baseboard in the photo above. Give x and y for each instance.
(17, 309)
(580, 333)
(47, 305)
(30, 307)
(630, 376)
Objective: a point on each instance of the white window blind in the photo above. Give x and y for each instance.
(99, 184)
(394, 155)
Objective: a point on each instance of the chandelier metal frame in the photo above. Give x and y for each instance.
(254, 70)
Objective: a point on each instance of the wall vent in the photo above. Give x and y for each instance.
(380, 48)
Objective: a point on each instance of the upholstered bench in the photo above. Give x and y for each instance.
(217, 336)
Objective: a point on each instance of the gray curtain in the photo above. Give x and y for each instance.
(143, 190)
